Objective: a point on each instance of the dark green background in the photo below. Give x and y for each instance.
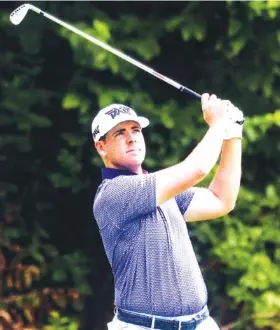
(52, 83)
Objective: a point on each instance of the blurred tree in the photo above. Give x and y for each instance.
(53, 82)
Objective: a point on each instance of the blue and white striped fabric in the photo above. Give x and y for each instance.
(153, 262)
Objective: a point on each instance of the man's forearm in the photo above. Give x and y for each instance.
(226, 182)
(177, 178)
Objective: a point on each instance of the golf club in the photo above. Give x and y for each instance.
(17, 16)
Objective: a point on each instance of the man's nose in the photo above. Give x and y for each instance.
(131, 137)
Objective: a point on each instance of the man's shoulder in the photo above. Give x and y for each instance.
(124, 189)
(101, 188)
(99, 201)
(112, 183)
(108, 188)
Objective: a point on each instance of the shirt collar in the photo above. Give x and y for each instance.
(111, 173)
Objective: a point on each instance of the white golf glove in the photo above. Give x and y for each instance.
(234, 127)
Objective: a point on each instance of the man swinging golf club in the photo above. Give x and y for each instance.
(142, 216)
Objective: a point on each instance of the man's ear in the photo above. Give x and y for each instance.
(99, 145)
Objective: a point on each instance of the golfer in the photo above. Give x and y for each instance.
(142, 216)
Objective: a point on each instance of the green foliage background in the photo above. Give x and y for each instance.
(52, 82)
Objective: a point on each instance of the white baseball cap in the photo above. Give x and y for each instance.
(112, 115)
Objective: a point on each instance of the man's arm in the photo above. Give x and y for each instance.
(175, 179)
(221, 195)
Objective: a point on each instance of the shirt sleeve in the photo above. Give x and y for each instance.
(184, 199)
(126, 198)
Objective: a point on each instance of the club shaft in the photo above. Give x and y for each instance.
(116, 52)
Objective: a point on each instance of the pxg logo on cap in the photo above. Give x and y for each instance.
(117, 111)
(112, 115)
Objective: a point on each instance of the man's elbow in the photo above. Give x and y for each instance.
(228, 207)
(201, 173)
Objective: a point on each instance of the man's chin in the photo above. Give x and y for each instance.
(134, 164)
(135, 158)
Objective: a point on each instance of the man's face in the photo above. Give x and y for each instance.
(124, 147)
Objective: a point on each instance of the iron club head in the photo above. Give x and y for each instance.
(18, 14)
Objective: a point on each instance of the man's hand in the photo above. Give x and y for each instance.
(234, 127)
(234, 114)
(213, 108)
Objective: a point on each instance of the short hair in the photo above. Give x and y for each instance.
(103, 138)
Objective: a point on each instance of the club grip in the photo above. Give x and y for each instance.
(189, 91)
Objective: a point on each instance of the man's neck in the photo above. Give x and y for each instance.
(135, 169)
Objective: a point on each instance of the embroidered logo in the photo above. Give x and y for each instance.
(96, 131)
(117, 111)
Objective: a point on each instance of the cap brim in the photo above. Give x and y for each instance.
(142, 121)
